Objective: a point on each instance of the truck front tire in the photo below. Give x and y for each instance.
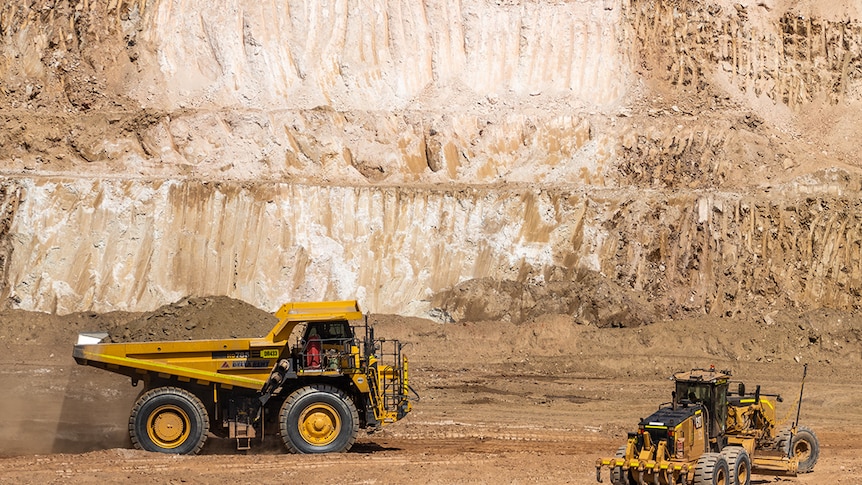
(318, 419)
(169, 420)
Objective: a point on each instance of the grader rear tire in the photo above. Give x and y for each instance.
(169, 420)
(318, 419)
(739, 465)
(711, 469)
(804, 446)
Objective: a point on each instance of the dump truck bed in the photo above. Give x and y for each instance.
(239, 362)
(235, 362)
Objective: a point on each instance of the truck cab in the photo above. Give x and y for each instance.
(324, 345)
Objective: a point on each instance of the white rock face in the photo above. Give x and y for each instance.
(379, 55)
(114, 245)
(395, 92)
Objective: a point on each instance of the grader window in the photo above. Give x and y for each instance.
(713, 396)
(694, 393)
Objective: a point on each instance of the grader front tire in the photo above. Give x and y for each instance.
(711, 469)
(804, 446)
(739, 465)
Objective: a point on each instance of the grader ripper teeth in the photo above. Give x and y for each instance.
(317, 392)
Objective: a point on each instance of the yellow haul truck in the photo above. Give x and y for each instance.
(317, 392)
(710, 436)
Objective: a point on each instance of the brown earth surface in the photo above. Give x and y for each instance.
(535, 402)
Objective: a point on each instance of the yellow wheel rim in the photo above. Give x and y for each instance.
(742, 474)
(319, 424)
(801, 450)
(168, 426)
(721, 479)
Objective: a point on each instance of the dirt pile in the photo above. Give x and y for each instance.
(186, 319)
(55, 332)
(197, 318)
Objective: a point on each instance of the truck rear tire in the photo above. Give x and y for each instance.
(803, 445)
(169, 420)
(711, 469)
(318, 419)
(739, 465)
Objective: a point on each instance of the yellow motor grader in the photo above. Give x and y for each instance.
(709, 435)
(317, 392)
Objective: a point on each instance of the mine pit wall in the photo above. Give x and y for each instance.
(82, 244)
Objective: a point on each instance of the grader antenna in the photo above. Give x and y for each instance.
(789, 449)
(799, 405)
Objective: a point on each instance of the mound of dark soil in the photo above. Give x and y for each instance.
(197, 318)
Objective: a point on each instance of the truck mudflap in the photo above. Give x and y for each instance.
(405, 406)
(645, 471)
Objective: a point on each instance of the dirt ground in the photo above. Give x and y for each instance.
(536, 402)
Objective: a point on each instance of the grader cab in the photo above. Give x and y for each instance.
(708, 436)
